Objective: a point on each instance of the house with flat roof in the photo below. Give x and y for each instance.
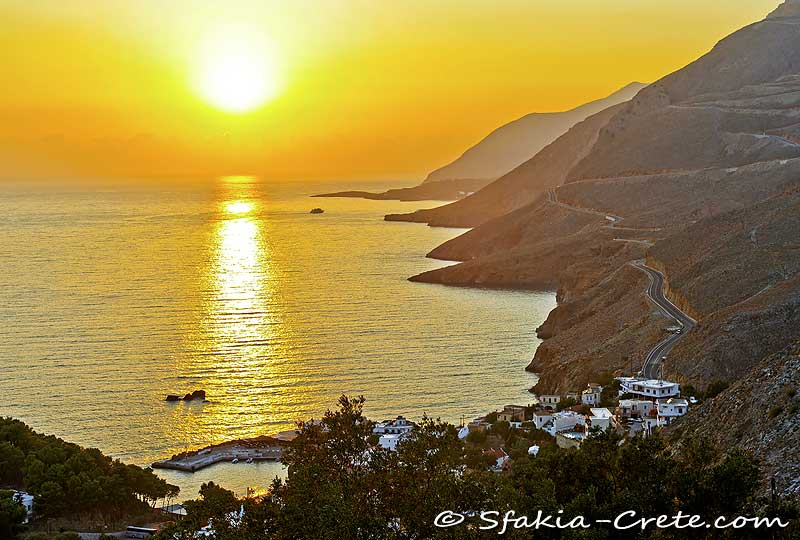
(601, 418)
(541, 418)
(512, 413)
(670, 409)
(564, 421)
(392, 432)
(478, 424)
(26, 500)
(391, 440)
(635, 408)
(393, 427)
(591, 395)
(549, 401)
(649, 388)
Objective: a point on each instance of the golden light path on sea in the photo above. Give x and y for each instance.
(246, 356)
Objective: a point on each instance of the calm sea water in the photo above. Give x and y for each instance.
(110, 299)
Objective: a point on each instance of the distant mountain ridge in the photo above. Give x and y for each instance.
(516, 142)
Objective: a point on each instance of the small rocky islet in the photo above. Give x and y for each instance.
(197, 395)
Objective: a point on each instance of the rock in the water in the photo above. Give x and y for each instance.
(172, 397)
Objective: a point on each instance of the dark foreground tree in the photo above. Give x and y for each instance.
(12, 514)
(341, 485)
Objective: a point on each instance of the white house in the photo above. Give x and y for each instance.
(26, 500)
(393, 427)
(541, 418)
(391, 440)
(649, 388)
(670, 409)
(591, 395)
(549, 400)
(600, 418)
(391, 432)
(564, 421)
(635, 408)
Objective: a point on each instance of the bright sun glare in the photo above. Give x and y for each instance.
(237, 70)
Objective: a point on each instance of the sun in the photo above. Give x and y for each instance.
(236, 70)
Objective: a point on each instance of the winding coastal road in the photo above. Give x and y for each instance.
(655, 292)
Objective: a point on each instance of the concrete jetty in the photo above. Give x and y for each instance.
(252, 449)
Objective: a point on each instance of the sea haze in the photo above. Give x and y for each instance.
(111, 299)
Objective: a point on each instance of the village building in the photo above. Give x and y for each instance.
(670, 409)
(564, 421)
(393, 427)
(573, 395)
(549, 401)
(541, 418)
(635, 408)
(649, 388)
(600, 418)
(392, 432)
(479, 424)
(512, 413)
(26, 500)
(390, 441)
(591, 395)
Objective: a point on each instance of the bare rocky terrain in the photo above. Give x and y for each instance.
(699, 174)
(523, 185)
(759, 413)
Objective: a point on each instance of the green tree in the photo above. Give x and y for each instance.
(12, 514)
(12, 463)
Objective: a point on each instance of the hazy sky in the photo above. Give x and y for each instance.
(360, 89)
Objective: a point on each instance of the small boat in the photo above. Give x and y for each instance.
(249, 460)
(235, 460)
(317, 211)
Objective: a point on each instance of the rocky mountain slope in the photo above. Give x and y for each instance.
(699, 175)
(760, 413)
(510, 145)
(525, 184)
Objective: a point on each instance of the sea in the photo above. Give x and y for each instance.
(113, 297)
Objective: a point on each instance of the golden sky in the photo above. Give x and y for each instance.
(360, 89)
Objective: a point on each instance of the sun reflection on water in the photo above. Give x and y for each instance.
(243, 352)
(238, 207)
